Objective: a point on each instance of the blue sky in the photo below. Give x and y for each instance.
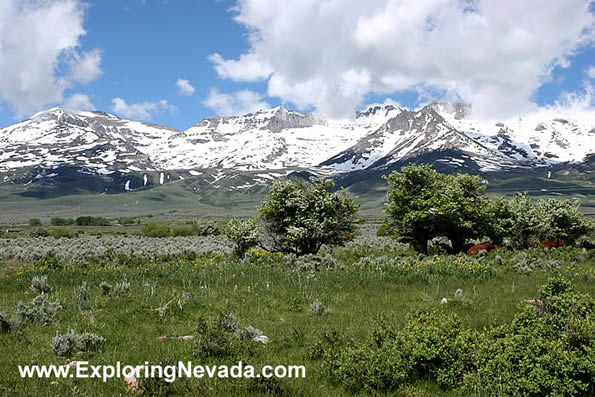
(331, 56)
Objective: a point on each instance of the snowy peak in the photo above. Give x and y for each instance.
(281, 139)
(275, 120)
(93, 140)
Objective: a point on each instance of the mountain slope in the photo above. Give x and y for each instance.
(94, 140)
(278, 141)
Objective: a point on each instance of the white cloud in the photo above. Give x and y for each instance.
(140, 111)
(184, 87)
(247, 68)
(78, 102)
(237, 103)
(591, 72)
(36, 37)
(86, 67)
(493, 54)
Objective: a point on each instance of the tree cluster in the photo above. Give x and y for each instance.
(423, 204)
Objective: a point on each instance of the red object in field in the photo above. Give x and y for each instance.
(488, 246)
(555, 243)
(348, 238)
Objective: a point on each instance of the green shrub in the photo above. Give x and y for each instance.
(127, 221)
(182, 231)
(67, 344)
(82, 296)
(299, 217)
(38, 310)
(39, 233)
(4, 324)
(154, 229)
(61, 221)
(221, 339)
(61, 233)
(206, 229)
(122, 288)
(546, 350)
(244, 233)
(40, 285)
(563, 219)
(91, 221)
(34, 222)
(432, 345)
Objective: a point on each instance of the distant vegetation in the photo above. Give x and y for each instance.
(34, 222)
(91, 221)
(61, 221)
(156, 229)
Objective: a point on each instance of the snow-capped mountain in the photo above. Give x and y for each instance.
(280, 139)
(268, 139)
(98, 141)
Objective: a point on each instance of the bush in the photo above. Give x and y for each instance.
(122, 288)
(61, 221)
(39, 233)
(563, 219)
(126, 221)
(38, 310)
(432, 345)
(544, 351)
(61, 233)
(34, 222)
(67, 344)
(222, 338)
(154, 229)
(547, 349)
(205, 229)
(299, 217)
(182, 231)
(82, 295)
(243, 233)
(318, 309)
(91, 221)
(40, 285)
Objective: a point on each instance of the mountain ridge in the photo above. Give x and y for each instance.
(278, 141)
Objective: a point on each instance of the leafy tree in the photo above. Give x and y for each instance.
(299, 217)
(562, 219)
(411, 216)
(460, 208)
(499, 219)
(244, 233)
(528, 221)
(423, 204)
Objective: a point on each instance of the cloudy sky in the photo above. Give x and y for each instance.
(175, 62)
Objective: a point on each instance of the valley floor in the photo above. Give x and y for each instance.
(299, 304)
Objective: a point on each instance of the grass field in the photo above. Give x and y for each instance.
(167, 296)
(322, 312)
